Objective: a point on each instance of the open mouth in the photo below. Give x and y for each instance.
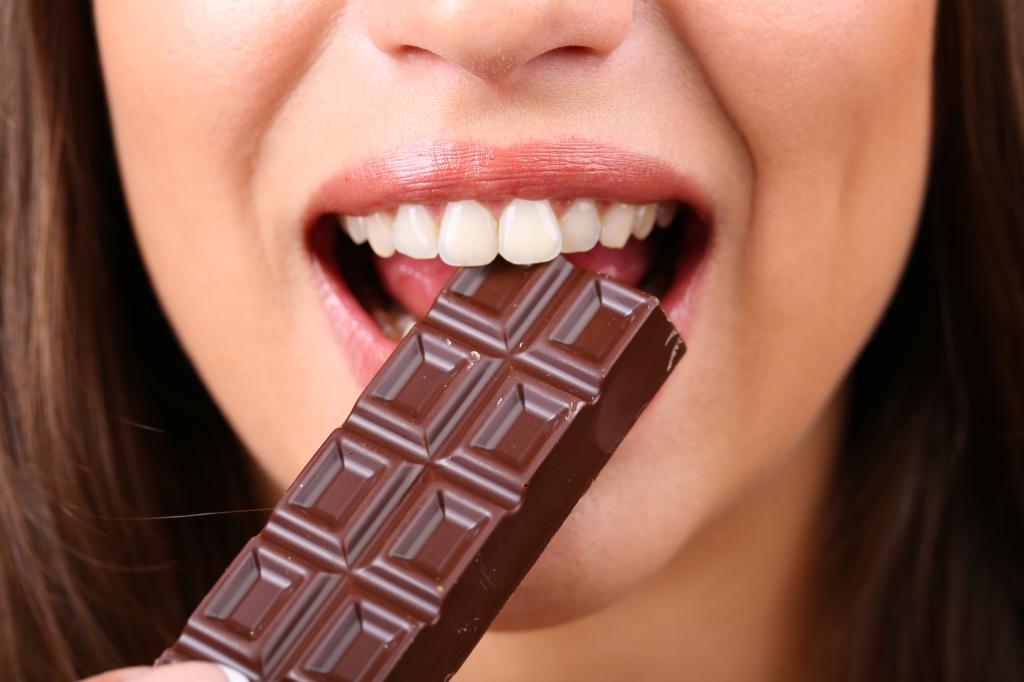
(381, 263)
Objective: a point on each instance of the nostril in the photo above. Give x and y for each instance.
(414, 54)
(412, 50)
(572, 54)
(572, 51)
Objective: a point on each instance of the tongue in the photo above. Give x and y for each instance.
(415, 283)
(627, 265)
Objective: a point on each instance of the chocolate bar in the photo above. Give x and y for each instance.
(398, 544)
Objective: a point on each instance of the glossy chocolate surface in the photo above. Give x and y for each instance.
(400, 541)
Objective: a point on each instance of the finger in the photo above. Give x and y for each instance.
(178, 672)
(118, 675)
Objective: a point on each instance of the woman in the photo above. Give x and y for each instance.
(831, 485)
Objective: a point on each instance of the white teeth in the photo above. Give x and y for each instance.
(380, 234)
(469, 234)
(528, 232)
(666, 213)
(581, 226)
(644, 222)
(618, 225)
(415, 231)
(405, 325)
(355, 225)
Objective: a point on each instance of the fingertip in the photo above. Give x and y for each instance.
(232, 674)
(119, 675)
(175, 672)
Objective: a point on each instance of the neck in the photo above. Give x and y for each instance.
(734, 604)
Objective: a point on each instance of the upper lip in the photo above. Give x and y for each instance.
(439, 172)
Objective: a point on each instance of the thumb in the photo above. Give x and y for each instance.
(177, 672)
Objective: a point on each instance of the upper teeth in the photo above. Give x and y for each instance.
(468, 234)
(415, 231)
(526, 232)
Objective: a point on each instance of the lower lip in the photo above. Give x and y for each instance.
(365, 347)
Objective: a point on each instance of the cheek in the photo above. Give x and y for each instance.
(833, 102)
(190, 85)
(798, 66)
(191, 79)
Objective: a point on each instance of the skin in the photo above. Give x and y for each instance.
(809, 123)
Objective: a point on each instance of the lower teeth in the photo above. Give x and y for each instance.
(394, 323)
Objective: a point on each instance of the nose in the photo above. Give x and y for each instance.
(492, 39)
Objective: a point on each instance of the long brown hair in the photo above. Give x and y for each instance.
(925, 561)
(101, 418)
(103, 422)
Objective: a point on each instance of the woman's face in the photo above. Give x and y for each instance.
(798, 131)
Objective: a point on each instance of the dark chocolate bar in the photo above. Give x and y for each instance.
(397, 545)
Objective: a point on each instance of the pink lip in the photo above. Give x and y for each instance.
(433, 173)
(430, 173)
